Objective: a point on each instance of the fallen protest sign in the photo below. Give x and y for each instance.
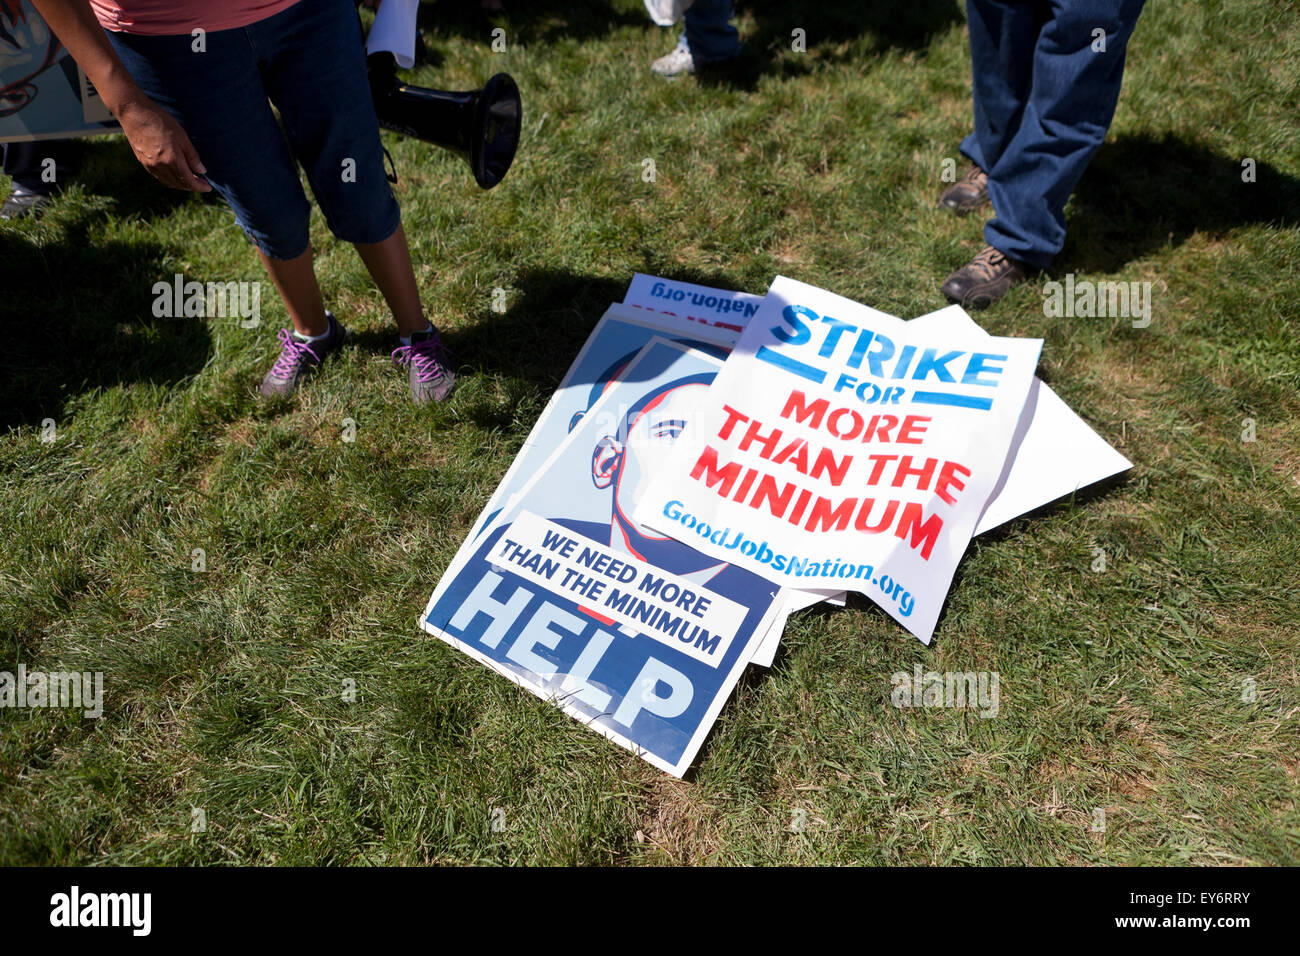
(616, 340)
(728, 310)
(564, 587)
(605, 357)
(639, 636)
(840, 448)
(1053, 453)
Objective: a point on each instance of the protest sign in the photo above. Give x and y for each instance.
(638, 625)
(723, 309)
(1053, 453)
(608, 352)
(604, 358)
(839, 448)
(43, 93)
(729, 310)
(637, 635)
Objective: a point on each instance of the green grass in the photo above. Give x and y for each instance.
(1120, 690)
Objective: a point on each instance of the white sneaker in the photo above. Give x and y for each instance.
(666, 12)
(677, 62)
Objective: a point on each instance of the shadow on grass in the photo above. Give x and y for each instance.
(555, 311)
(909, 26)
(1142, 193)
(826, 25)
(77, 315)
(831, 31)
(1098, 491)
(527, 21)
(105, 167)
(537, 339)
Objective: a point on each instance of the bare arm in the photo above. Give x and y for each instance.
(157, 140)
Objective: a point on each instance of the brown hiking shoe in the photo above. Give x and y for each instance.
(984, 280)
(971, 193)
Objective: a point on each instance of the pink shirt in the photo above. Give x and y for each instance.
(173, 17)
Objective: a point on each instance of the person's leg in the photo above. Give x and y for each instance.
(295, 280)
(1002, 40)
(1071, 104)
(707, 37)
(389, 264)
(316, 75)
(39, 171)
(707, 31)
(219, 99)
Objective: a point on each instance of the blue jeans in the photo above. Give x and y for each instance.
(708, 34)
(308, 61)
(1043, 102)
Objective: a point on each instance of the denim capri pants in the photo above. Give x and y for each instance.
(309, 61)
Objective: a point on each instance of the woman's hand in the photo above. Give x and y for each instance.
(162, 147)
(158, 140)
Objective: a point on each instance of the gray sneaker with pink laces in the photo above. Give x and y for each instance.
(430, 376)
(299, 357)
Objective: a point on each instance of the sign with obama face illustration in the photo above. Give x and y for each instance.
(638, 635)
(841, 448)
(616, 340)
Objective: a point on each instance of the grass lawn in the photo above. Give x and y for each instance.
(1128, 689)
